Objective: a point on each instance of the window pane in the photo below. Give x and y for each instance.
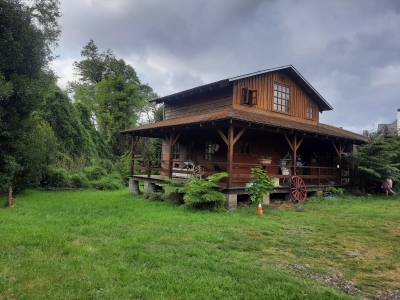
(275, 100)
(279, 95)
(275, 86)
(279, 88)
(275, 107)
(275, 93)
(287, 109)
(287, 90)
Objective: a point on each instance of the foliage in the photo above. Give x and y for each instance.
(376, 160)
(112, 92)
(259, 185)
(173, 190)
(204, 193)
(79, 180)
(38, 150)
(332, 191)
(56, 177)
(28, 30)
(113, 181)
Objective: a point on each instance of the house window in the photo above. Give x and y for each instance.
(245, 147)
(175, 151)
(208, 150)
(309, 112)
(281, 98)
(249, 97)
(191, 154)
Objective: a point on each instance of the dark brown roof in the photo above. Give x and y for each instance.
(266, 118)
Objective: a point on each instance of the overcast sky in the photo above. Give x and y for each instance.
(348, 50)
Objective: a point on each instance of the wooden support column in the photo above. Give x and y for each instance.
(171, 142)
(135, 140)
(339, 151)
(294, 146)
(230, 154)
(230, 142)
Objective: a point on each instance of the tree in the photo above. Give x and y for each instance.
(113, 93)
(378, 158)
(28, 31)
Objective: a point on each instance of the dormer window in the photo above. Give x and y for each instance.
(281, 98)
(249, 97)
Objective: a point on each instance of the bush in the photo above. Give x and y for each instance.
(79, 180)
(94, 172)
(56, 177)
(203, 193)
(113, 181)
(173, 190)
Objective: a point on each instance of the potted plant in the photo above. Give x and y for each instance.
(282, 162)
(265, 160)
(259, 185)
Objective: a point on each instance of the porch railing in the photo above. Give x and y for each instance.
(241, 172)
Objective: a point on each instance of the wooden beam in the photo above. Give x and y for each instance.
(287, 139)
(222, 135)
(299, 143)
(239, 135)
(337, 151)
(176, 138)
(135, 140)
(230, 155)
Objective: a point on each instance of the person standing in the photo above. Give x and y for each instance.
(387, 186)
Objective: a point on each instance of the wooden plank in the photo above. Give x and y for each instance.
(222, 136)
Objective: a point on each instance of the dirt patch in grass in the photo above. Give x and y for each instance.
(341, 284)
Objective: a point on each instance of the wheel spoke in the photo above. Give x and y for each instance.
(298, 188)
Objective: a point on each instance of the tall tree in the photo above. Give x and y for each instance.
(28, 31)
(112, 91)
(376, 160)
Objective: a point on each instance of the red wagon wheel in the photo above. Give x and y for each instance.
(298, 188)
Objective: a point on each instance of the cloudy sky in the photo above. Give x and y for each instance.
(349, 50)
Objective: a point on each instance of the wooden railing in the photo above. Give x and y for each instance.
(241, 172)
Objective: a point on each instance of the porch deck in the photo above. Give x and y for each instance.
(315, 177)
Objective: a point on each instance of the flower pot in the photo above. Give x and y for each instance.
(265, 161)
(282, 162)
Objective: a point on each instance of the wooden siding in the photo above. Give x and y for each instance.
(199, 105)
(264, 85)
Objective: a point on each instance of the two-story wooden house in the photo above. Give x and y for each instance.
(230, 124)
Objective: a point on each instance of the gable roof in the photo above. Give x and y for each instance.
(289, 69)
(266, 119)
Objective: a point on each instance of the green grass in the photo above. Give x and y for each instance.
(111, 245)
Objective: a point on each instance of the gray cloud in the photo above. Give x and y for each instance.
(348, 50)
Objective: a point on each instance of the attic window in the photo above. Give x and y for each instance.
(281, 98)
(309, 112)
(249, 97)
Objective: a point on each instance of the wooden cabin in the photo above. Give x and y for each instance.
(230, 124)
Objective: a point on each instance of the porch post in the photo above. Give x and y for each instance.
(294, 154)
(135, 140)
(230, 155)
(170, 158)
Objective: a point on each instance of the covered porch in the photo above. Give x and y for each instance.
(233, 141)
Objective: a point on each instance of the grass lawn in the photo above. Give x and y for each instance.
(112, 245)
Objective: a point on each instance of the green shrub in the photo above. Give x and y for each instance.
(94, 172)
(259, 185)
(79, 180)
(173, 190)
(56, 177)
(204, 193)
(112, 181)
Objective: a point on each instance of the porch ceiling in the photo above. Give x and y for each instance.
(265, 121)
